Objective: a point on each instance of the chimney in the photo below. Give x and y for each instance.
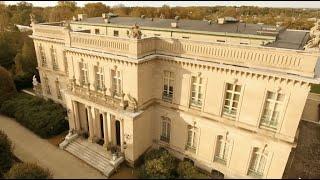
(82, 17)
(104, 15)
(174, 24)
(221, 21)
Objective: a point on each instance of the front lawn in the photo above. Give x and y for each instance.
(43, 117)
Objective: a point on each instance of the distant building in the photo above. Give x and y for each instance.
(227, 96)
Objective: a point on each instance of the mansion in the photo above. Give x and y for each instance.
(227, 95)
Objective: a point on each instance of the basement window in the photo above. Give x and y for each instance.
(185, 37)
(221, 41)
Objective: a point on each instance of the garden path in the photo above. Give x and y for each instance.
(28, 147)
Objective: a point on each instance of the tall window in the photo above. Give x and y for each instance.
(168, 85)
(97, 31)
(272, 109)
(42, 56)
(165, 129)
(258, 162)
(83, 73)
(222, 150)
(232, 98)
(196, 92)
(99, 78)
(46, 85)
(54, 58)
(58, 89)
(192, 139)
(116, 81)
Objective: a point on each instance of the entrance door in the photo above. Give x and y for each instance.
(87, 122)
(101, 126)
(118, 132)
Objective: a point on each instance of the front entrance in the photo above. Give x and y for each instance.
(101, 126)
(117, 124)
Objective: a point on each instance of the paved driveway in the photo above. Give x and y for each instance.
(30, 148)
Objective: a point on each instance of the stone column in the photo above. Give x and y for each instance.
(105, 129)
(121, 134)
(109, 127)
(76, 116)
(90, 124)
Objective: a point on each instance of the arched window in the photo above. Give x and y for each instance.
(223, 147)
(258, 162)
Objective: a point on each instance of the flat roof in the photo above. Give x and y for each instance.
(286, 38)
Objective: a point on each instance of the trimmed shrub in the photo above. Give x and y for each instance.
(28, 171)
(23, 81)
(186, 170)
(6, 156)
(7, 87)
(43, 117)
(159, 164)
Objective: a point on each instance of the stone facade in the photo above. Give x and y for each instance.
(228, 107)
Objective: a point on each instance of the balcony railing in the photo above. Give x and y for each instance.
(285, 60)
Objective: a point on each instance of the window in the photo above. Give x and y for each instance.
(116, 82)
(99, 78)
(42, 56)
(157, 35)
(196, 92)
(185, 37)
(222, 150)
(271, 110)
(58, 89)
(168, 85)
(128, 33)
(46, 85)
(165, 129)
(231, 102)
(97, 31)
(192, 139)
(54, 58)
(221, 41)
(116, 33)
(257, 163)
(83, 73)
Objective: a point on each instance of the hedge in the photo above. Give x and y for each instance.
(43, 117)
(28, 171)
(160, 164)
(23, 81)
(6, 155)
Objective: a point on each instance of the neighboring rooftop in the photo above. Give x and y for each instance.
(289, 39)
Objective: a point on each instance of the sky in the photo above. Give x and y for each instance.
(289, 4)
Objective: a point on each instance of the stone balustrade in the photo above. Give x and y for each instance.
(97, 97)
(50, 31)
(289, 61)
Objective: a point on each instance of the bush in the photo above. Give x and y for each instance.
(28, 171)
(23, 81)
(158, 164)
(44, 118)
(7, 87)
(186, 170)
(6, 156)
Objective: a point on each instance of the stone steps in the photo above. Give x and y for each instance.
(95, 159)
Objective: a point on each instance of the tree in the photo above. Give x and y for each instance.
(29, 63)
(28, 171)
(63, 11)
(95, 9)
(6, 155)
(7, 87)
